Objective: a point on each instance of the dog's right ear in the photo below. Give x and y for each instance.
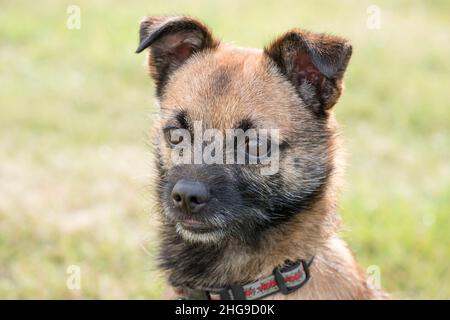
(172, 40)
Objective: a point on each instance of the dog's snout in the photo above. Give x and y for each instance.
(189, 196)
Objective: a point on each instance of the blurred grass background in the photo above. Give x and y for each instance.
(75, 112)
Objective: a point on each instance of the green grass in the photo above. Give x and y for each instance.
(75, 112)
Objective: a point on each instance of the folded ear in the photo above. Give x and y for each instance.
(314, 63)
(172, 40)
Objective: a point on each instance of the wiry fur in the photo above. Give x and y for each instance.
(262, 220)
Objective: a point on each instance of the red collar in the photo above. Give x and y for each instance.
(286, 279)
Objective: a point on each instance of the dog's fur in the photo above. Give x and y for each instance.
(292, 86)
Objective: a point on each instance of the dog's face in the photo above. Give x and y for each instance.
(289, 86)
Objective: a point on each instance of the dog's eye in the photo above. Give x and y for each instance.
(174, 135)
(258, 148)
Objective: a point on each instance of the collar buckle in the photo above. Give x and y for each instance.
(291, 276)
(232, 292)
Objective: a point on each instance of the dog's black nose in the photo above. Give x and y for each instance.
(190, 196)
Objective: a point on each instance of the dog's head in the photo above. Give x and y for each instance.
(288, 88)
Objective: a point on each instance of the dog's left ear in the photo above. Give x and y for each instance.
(314, 63)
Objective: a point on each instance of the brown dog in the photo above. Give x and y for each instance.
(228, 230)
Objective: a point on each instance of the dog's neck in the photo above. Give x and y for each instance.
(202, 266)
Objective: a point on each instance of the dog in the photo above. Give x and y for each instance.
(227, 230)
